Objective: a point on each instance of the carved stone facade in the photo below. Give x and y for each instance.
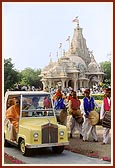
(76, 68)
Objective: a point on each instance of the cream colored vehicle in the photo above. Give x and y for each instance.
(38, 127)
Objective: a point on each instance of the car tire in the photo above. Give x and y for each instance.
(25, 151)
(58, 149)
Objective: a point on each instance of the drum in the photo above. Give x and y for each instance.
(93, 117)
(61, 115)
(78, 116)
(106, 122)
(79, 119)
(57, 113)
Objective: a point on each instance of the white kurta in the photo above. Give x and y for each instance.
(73, 123)
(87, 128)
(106, 130)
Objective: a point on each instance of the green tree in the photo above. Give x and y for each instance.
(106, 67)
(31, 77)
(11, 75)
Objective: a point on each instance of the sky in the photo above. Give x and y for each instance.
(32, 31)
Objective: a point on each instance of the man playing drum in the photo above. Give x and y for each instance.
(60, 108)
(74, 110)
(88, 104)
(105, 115)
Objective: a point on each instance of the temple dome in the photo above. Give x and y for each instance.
(80, 63)
(93, 67)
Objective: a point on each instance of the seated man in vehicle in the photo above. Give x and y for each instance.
(34, 105)
(46, 104)
(10, 103)
(12, 117)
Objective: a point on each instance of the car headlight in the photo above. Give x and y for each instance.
(61, 133)
(35, 135)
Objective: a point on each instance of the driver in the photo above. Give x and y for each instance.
(34, 105)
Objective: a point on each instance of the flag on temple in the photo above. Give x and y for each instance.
(68, 38)
(60, 45)
(57, 54)
(50, 54)
(75, 20)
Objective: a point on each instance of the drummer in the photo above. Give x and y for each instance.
(106, 108)
(59, 104)
(87, 105)
(74, 108)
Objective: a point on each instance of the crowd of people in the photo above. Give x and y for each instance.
(78, 110)
(94, 90)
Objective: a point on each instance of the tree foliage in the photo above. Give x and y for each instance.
(31, 77)
(26, 77)
(11, 75)
(106, 66)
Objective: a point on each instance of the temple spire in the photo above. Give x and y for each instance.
(76, 20)
(68, 40)
(50, 57)
(60, 48)
(92, 56)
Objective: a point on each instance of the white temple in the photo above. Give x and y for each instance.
(76, 68)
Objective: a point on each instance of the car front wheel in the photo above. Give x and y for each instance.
(25, 151)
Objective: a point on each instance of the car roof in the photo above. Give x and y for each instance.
(17, 93)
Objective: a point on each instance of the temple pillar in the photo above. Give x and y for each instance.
(67, 80)
(75, 76)
(81, 84)
(43, 85)
(50, 83)
(63, 83)
(74, 81)
(76, 84)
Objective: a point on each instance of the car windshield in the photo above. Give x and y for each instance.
(36, 106)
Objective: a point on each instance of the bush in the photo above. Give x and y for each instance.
(96, 96)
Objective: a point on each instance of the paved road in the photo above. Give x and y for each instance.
(47, 157)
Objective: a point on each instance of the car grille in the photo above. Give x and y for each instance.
(49, 133)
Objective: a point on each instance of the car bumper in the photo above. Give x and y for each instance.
(47, 145)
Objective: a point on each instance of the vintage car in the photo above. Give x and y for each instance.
(37, 127)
